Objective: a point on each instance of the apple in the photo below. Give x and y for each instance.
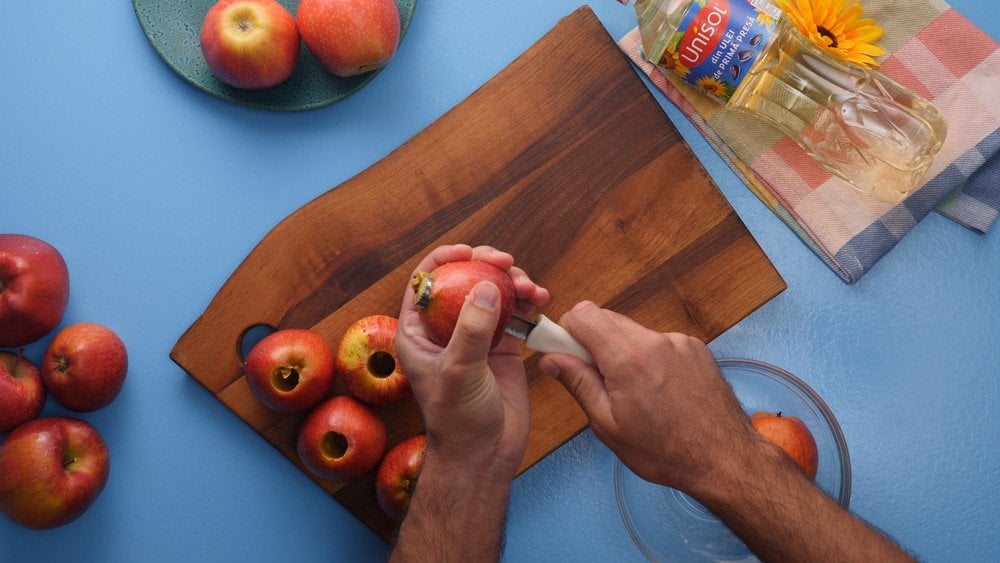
(367, 361)
(397, 476)
(441, 293)
(250, 44)
(290, 370)
(34, 289)
(350, 37)
(791, 435)
(22, 394)
(85, 366)
(51, 471)
(341, 439)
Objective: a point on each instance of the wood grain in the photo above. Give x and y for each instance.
(563, 159)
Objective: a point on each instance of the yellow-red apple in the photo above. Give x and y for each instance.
(85, 367)
(250, 44)
(290, 370)
(367, 361)
(341, 439)
(51, 471)
(791, 435)
(350, 37)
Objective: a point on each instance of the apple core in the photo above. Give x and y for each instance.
(285, 379)
(381, 364)
(334, 445)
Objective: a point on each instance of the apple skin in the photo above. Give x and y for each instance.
(350, 37)
(791, 435)
(85, 366)
(367, 361)
(397, 475)
(250, 44)
(34, 289)
(440, 295)
(51, 471)
(341, 439)
(290, 370)
(22, 394)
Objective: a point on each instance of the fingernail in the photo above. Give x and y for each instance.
(549, 368)
(486, 296)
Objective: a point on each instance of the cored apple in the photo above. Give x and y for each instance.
(341, 439)
(22, 394)
(85, 366)
(791, 435)
(250, 44)
(34, 289)
(51, 471)
(441, 293)
(350, 37)
(397, 475)
(290, 370)
(367, 361)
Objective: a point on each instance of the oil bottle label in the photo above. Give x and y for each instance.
(718, 41)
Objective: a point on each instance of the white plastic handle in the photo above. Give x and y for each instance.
(548, 336)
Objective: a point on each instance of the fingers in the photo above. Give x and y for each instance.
(583, 382)
(470, 343)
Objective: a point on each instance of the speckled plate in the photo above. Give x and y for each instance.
(174, 27)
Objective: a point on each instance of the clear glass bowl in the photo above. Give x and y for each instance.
(667, 525)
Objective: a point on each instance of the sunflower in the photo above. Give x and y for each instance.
(837, 27)
(672, 62)
(713, 86)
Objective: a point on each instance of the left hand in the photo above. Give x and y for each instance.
(474, 401)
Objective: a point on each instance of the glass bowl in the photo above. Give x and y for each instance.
(667, 525)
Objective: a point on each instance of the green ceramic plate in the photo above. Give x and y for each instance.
(174, 27)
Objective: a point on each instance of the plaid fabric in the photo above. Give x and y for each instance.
(934, 51)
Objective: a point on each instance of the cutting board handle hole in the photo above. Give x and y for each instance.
(251, 336)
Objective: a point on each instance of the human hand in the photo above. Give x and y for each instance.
(656, 399)
(474, 401)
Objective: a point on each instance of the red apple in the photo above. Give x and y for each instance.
(22, 394)
(34, 289)
(85, 366)
(341, 439)
(51, 471)
(441, 293)
(350, 37)
(397, 475)
(290, 370)
(791, 435)
(250, 44)
(367, 361)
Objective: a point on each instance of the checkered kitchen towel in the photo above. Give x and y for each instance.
(934, 51)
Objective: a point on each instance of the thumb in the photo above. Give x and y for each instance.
(585, 383)
(470, 343)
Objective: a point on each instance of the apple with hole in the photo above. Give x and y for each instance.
(250, 44)
(791, 435)
(290, 370)
(440, 294)
(22, 394)
(34, 289)
(367, 361)
(397, 476)
(85, 366)
(341, 439)
(51, 471)
(350, 37)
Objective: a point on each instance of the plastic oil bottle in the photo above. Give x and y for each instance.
(857, 123)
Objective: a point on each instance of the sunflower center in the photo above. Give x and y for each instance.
(828, 34)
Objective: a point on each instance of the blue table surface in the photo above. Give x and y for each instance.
(154, 192)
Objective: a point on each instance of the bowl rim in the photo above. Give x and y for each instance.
(844, 494)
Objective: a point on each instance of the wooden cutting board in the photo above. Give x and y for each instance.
(563, 159)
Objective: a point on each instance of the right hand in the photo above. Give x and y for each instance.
(656, 399)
